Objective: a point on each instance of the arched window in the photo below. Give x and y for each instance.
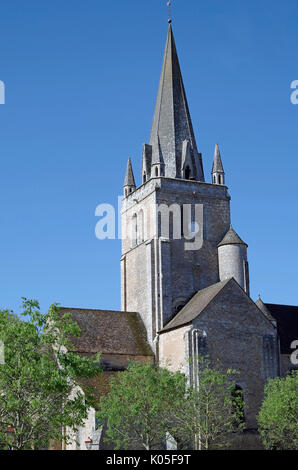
(144, 177)
(214, 179)
(156, 171)
(187, 173)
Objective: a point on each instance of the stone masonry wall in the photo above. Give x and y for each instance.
(157, 274)
(235, 330)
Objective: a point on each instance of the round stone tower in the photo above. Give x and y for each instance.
(232, 259)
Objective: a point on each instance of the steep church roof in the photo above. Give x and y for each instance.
(201, 300)
(109, 332)
(231, 238)
(195, 306)
(172, 122)
(286, 317)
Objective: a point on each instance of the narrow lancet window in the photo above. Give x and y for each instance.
(187, 173)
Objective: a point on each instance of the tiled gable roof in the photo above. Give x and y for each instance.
(109, 332)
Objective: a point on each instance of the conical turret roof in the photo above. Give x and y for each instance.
(231, 238)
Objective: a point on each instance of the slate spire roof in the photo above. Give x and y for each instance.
(217, 162)
(231, 238)
(129, 176)
(172, 122)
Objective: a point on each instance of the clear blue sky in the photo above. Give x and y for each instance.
(81, 81)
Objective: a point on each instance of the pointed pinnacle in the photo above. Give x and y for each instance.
(217, 162)
(129, 176)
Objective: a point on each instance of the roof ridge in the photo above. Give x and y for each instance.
(281, 305)
(96, 310)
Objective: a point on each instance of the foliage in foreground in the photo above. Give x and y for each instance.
(37, 379)
(212, 409)
(146, 403)
(138, 407)
(278, 416)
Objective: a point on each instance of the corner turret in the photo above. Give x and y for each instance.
(232, 259)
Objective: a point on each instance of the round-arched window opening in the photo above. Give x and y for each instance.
(156, 171)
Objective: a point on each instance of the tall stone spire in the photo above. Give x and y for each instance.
(218, 174)
(172, 139)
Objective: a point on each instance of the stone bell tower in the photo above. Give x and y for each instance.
(163, 265)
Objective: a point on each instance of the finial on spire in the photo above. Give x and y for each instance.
(169, 3)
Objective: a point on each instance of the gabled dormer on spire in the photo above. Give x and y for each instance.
(129, 182)
(172, 124)
(218, 174)
(157, 163)
(187, 172)
(146, 162)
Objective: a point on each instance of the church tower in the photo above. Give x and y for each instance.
(173, 223)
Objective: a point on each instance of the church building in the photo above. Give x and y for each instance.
(185, 281)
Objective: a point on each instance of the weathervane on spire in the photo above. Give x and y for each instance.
(169, 3)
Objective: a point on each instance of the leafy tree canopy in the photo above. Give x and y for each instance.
(146, 403)
(278, 416)
(38, 395)
(139, 407)
(213, 407)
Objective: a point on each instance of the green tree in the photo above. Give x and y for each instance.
(139, 407)
(278, 416)
(212, 409)
(37, 380)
